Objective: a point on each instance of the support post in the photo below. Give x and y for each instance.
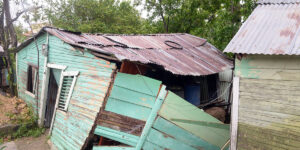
(158, 102)
(44, 91)
(234, 113)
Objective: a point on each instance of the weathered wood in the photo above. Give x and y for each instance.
(122, 137)
(154, 112)
(133, 96)
(112, 148)
(268, 67)
(234, 113)
(177, 111)
(181, 135)
(166, 141)
(269, 115)
(120, 123)
(289, 62)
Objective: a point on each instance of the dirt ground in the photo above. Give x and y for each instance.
(32, 143)
(10, 106)
(28, 143)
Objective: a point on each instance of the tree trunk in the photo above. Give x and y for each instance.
(9, 39)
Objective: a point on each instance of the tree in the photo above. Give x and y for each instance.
(8, 37)
(215, 20)
(92, 16)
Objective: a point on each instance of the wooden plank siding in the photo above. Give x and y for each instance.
(178, 125)
(269, 101)
(194, 120)
(28, 55)
(72, 127)
(133, 96)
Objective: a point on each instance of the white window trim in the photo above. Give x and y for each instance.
(56, 66)
(30, 94)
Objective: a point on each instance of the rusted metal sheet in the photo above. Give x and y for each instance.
(193, 56)
(277, 1)
(270, 29)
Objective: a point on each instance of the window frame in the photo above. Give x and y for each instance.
(35, 78)
(63, 75)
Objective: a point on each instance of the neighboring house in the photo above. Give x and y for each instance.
(88, 87)
(267, 66)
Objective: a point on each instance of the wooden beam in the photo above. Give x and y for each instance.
(234, 113)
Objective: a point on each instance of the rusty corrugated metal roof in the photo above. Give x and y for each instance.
(277, 1)
(197, 56)
(270, 29)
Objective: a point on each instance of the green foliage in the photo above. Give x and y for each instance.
(216, 20)
(28, 124)
(20, 33)
(94, 16)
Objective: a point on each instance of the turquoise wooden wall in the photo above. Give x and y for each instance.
(131, 93)
(178, 125)
(29, 55)
(71, 128)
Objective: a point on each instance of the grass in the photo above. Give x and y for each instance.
(28, 125)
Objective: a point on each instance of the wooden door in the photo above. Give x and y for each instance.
(51, 99)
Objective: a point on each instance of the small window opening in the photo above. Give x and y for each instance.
(31, 79)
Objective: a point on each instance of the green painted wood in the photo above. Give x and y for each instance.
(133, 96)
(70, 128)
(112, 148)
(137, 83)
(181, 113)
(268, 67)
(119, 136)
(28, 55)
(182, 135)
(150, 146)
(166, 142)
(158, 102)
(128, 109)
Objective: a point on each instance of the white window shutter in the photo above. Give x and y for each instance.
(67, 84)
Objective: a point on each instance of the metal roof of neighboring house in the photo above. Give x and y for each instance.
(181, 54)
(277, 1)
(270, 29)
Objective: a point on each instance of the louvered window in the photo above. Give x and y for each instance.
(67, 84)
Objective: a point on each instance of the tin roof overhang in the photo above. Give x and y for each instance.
(181, 54)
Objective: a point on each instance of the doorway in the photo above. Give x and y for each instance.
(54, 75)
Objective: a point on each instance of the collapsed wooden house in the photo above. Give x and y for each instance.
(123, 91)
(267, 69)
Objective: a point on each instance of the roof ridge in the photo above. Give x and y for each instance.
(267, 2)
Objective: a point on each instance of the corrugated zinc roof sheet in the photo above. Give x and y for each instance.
(277, 1)
(197, 57)
(270, 29)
